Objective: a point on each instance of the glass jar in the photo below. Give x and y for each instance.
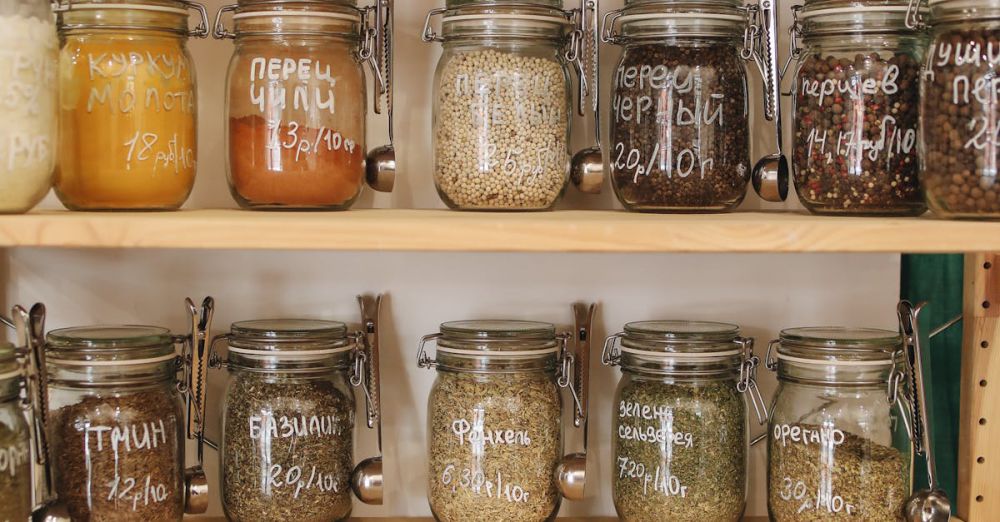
(15, 437)
(679, 440)
(679, 118)
(856, 109)
(960, 110)
(128, 105)
(502, 103)
(495, 420)
(116, 423)
(288, 416)
(838, 448)
(28, 84)
(296, 102)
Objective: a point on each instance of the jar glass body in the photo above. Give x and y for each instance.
(15, 453)
(960, 110)
(495, 440)
(855, 122)
(835, 451)
(128, 110)
(296, 102)
(680, 124)
(117, 434)
(28, 81)
(501, 123)
(679, 448)
(296, 427)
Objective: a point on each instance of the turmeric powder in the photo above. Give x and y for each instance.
(127, 120)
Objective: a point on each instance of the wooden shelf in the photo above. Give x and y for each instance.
(439, 230)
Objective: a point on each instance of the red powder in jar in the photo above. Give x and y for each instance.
(293, 165)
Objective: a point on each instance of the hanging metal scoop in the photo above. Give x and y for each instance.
(587, 166)
(931, 504)
(770, 174)
(380, 166)
(367, 478)
(196, 373)
(31, 328)
(572, 471)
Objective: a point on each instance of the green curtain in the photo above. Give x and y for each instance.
(937, 279)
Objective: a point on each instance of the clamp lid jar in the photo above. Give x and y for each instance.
(680, 432)
(15, 437)
(495, 420)
(117, 425)
(503, 101)
(856, 108)
(960, 110)
(297, 99)
(128, 109)
(680, 116)
(288, 413)
(837, 442)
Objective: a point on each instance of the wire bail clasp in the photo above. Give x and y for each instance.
(747, 383)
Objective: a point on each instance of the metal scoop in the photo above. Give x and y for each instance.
(367, 478)
(31, 327)
(380, 166)
(587, 166)
(931, 504)
(770, 173)
(572, 471)
(196, 374)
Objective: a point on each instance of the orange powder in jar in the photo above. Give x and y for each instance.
(292, 165)
(127, 122)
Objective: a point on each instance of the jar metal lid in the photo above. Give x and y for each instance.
(288, 337)
(831, 17)
(110, 345)
(839, 346)
(497, 19)
(507, 337)
(682, 340)
(665, 19)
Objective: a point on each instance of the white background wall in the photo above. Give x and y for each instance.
(764, 293)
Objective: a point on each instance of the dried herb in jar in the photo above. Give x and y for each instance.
(856, 122)
(15, 471)
(829, 474)
(501, 131)
(680, 451)
(495, 442)
(120, 457)
(287, 449)
(679, 128)
(960, 130)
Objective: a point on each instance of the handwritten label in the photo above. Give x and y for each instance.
(661, 432)
(969, 70)
(668, 99)
(283, 427)
(823, 499)
(494, 486)
(303, 479)
(786, 434)
(132, 491)
(126, 438)
(656, 480)
(13, 458)
(475, 432)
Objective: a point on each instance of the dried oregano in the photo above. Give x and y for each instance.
(820, 473)
(680, 451)
(287, 448)
(495, 442)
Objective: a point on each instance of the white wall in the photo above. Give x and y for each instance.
(764, 293)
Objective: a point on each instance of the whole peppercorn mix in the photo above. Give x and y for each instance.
(856, 110)
(960, 115)
(856, 134)
(501, 130)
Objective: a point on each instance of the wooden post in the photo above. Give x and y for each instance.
(979, 437)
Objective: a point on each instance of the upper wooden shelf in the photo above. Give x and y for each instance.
(440, 230)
